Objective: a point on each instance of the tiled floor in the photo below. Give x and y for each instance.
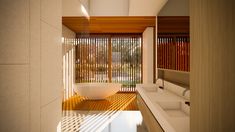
(127, 121)
(103, 121)
(117, 113)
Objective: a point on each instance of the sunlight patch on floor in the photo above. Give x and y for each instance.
(102, 121)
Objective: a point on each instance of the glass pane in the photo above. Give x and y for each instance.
(93, 56)
(126, 61)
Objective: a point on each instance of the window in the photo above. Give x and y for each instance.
(109, 58)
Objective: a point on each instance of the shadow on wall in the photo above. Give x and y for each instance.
(179, 78)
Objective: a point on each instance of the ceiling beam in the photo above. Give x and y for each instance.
(120, 24)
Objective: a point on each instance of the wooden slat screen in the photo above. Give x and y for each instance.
(173, 52)
(126, 61)
(109, 58)
(92, 59)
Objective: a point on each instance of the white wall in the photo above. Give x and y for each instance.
(72, 8)
(145, 7)
(109, 7)
(156, 70)
(175, 8)
(30, 65)
(148, 41)
(69, 35)
(86, 4)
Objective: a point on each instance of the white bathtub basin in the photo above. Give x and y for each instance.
(96, 90)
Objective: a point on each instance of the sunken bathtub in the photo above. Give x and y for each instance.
(96, 90)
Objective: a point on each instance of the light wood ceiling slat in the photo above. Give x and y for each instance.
(126, 24)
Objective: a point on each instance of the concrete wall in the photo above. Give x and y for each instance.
(148, 42)
(212, 76)
(109, 7)
(30, 65)
(175, 8)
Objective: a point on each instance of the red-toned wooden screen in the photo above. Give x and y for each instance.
(173, 52)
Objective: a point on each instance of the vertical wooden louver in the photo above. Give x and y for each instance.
(173, 43)
(92, 59)
(173, 52)
(126, 61)
(109, 58)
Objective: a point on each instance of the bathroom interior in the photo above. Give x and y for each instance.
(117, 66)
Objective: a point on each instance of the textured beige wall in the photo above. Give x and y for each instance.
(30, 65)
(14, 65)
(212, 77)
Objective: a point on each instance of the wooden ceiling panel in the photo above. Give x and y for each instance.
(126, 24)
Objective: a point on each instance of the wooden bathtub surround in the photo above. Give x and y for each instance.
(119, 101)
